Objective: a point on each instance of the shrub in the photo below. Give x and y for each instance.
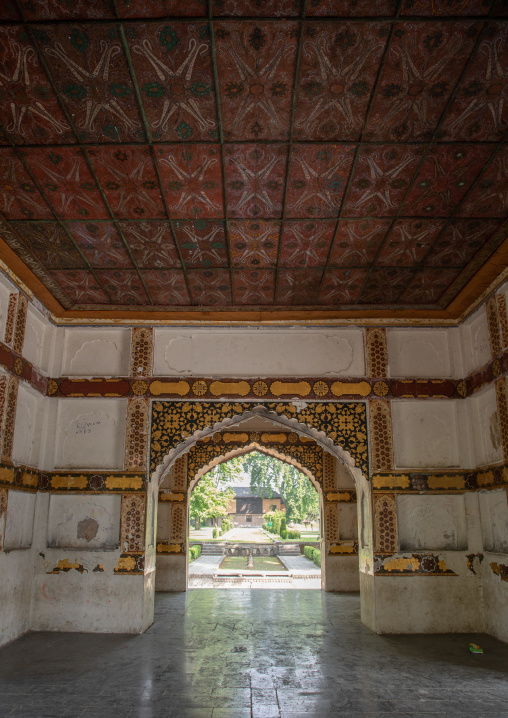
(226, 525)
(283, 526)
(284, 534)
(276, 526)
(294, 534)
(316, 557)
(308, 551)
(194, 552)
(214, 533)
(265, 527)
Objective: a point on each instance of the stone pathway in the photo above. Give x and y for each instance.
(301, 565)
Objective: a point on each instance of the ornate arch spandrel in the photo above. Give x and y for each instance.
(338, 427)
(206, 457)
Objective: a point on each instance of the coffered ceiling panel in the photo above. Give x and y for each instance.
(323, 157)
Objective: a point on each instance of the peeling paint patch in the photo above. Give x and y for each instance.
(391, 481)
(99, 568)
(171, 497)
(69, 482)
(470, 559)
(169, 548)
(415, 565)
(87, 529)
(131, 564)
(124, 483)
(500, 569)
(349, 548)
(64, 566)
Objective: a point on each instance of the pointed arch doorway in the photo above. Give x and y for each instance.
(329, 440)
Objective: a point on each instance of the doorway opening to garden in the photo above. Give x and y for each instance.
(254, 522)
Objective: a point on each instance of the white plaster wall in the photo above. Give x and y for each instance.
(30, 410)
(348, 521)
(90, 433)
(343, 477)
(19, 521)
(164, 521)
(420, 353)
(259, 352)
(494, 517)
(475, 340)
(431, 522)
(15, 588)
(84, 522)
(424, 604)
(34, 344)
(425, 433)
(485, 427)
(96, 352)
(92, 599)
(495, 596)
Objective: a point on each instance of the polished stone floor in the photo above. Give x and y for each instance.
(255, 654)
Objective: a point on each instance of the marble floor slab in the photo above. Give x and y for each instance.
(253, 654)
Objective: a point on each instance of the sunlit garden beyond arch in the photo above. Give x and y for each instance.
(254, 518)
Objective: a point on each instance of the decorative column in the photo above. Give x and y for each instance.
(493, 324)
(503, 319)
(171, 555)
(339, 553)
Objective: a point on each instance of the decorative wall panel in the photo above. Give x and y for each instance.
(141, 351)
(4, 494)
(502, 412)
(385, 523)
(493, 322)
(329, 472)
(381, 440)
(331, 521)
(136, 442)
(286, 444)
(11, 318)
(503, 319)
(10, 419)
(377, 353)
(178, 522)
(132, 527)
(344, 424)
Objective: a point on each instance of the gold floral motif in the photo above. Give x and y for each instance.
(380, 388)
(52, 387)
(344, 423)
(139, 387)
(260, 388)
(320, 388)
(199, 388)
(462, 388)
(292, 438)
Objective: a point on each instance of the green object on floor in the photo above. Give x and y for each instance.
(475, 648)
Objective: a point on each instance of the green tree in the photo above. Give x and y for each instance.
(210, 497)
(269, 475)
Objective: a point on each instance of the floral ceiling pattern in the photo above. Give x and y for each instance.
(242, 154)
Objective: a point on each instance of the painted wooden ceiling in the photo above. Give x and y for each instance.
(254, 154)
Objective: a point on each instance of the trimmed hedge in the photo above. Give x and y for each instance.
(283, 526)
(194, 552)
(293, 534)
(284, 533)
(313, 554)
(215, 533)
